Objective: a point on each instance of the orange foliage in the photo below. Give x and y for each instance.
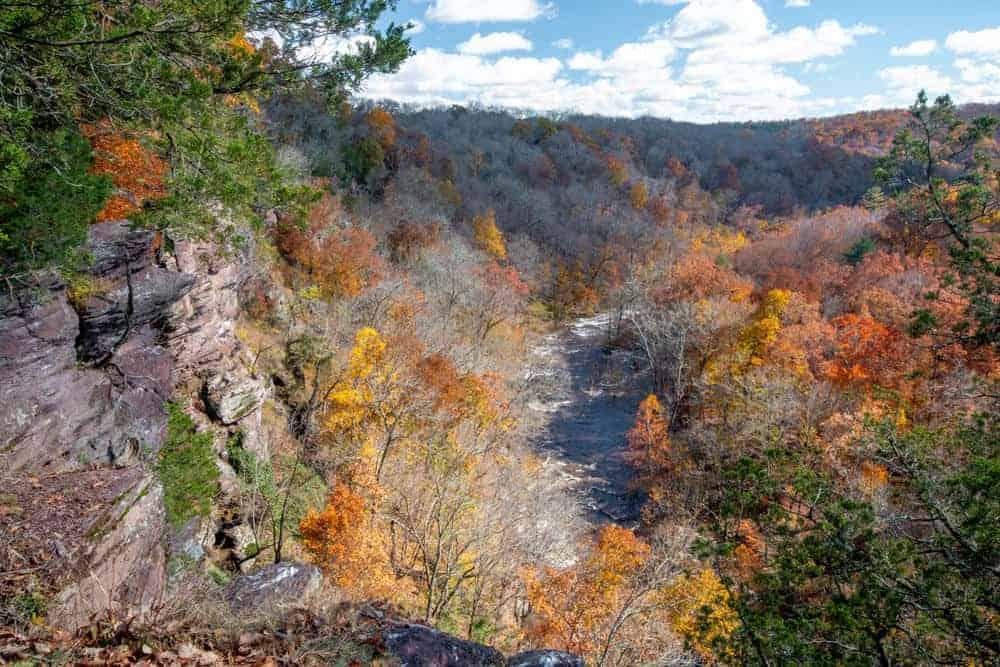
(137, 173)
(659, 209)
(866, 352)
(572, 608)
(617, 170)
(639, 195)
(409, 238)
(340, 262)
(342, 541)
(382, 127)
(649, 438)
(697, 276)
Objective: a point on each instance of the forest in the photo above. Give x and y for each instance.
(800, 320)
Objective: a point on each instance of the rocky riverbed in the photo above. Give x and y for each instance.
(585, 395)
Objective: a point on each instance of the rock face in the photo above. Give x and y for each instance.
(230, 398)
(58, 414)
(137, 290)
(545, 659)
(273, 588)
(420, 646)
(123, 568)
(83, 387)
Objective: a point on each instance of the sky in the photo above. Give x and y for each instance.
(695, 60)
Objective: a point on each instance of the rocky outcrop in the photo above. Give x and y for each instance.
(545, 659)
(274, 588)
(87, 384)
(420, 646)
(85, 372)
(122, 568)
(135, 290)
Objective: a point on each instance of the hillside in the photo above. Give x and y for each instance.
(289, 377)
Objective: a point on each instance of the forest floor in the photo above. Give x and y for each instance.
(586, 394)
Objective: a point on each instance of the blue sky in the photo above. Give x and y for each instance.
(699, 60)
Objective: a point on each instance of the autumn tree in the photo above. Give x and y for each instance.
(343, 540)
(488, 236)
(169, 74)
(649, 438)
(628, 600)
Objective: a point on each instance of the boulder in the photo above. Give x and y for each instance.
(545, 659)
(420, 646)
(273, 588)
(230, 398)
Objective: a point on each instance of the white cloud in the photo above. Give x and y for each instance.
(979, 68)
(474, 11)
(921, 47)
(564, 43)
(628, 58)
(330, 46)
(905, 82)
(797, 3)
(715, 60)
(495, 42)
(982, 43)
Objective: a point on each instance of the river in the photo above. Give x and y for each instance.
(584, 397)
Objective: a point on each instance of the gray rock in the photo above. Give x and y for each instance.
(545, 659)
(229, 399)
(273, 588)
(420, 646)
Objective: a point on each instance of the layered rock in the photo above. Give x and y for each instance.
(83, 386)
(122, 568)
(87, 384)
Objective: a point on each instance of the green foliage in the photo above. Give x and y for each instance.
(218, 575)
(285, 497)
(362, 160)
(187, 469)
(859, 250)
(947, 183)
(27, 608)
(843, 586)
(179, 72)
(45, 214)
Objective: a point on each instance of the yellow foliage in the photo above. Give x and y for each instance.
(763, 330)
(488, 235)
(699, 610)
(638, 195)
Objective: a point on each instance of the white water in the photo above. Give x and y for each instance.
(585, 397)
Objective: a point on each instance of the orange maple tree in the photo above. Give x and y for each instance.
(138, 174)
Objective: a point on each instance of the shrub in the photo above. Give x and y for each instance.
(187, 469)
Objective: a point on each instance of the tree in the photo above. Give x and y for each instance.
(843, 585)
(610, 608)
(945, 181)
(188, 67)
(344, 540)
(649, 438)
(488, 235)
